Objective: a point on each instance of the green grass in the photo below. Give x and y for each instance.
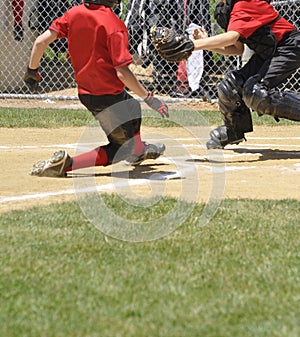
(61, 277)
(43, 118)
(237, 276)
(49, 118)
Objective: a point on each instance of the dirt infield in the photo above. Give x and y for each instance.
(267, 166)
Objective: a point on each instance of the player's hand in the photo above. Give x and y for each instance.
(199, 34)
(157, 105)
(32, 78)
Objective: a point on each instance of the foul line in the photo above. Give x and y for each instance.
(102, 188)
(112, 186)
(90, 144)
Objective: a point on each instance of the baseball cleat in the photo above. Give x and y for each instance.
(151, 151)
(222, 136)
(54, 167)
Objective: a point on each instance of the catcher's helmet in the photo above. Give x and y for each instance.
(107, 3)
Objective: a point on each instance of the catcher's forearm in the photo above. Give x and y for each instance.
(222, 43)
(230, 50)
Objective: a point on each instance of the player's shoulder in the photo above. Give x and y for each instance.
(251, 3)
(253, 7)
(116, 21)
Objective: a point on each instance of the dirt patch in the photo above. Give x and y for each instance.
(267, 166)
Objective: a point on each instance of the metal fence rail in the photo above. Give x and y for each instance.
(194, 79)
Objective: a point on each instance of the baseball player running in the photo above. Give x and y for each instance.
(98, 49)
(276, 46)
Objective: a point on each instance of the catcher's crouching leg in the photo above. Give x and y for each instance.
(236, 114)
(273, 103)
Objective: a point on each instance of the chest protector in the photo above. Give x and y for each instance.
(262, 41)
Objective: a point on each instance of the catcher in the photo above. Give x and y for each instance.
(276, 56)
(98, 47)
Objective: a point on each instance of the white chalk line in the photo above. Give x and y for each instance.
(113, 186)
(181, 173)
(98, 188)
(88, 144)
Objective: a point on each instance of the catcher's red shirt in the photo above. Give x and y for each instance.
(98, 44)
(248, 15)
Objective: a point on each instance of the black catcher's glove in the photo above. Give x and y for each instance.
(32, 78)
(171, 46)
(157, 105)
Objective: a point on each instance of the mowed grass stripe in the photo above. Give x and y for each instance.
(52, 118)
(237, 276)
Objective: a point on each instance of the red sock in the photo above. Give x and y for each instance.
(139, 145)
(96, 157)
(18, 6)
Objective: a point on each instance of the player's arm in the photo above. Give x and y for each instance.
(226, 43)
(32, 76)
(132, 83)
(235, 49)
(39, 47)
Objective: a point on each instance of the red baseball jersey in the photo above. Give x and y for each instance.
(98, 44)
(248, 15)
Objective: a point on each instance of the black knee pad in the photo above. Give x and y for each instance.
(230, 92)
(236, 114)
(271, 102)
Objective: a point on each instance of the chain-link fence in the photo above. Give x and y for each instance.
(197, 78)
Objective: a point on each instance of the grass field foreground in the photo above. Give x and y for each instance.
(61, 277)
(237, 276)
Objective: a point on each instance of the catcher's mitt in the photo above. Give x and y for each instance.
(171, 46)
